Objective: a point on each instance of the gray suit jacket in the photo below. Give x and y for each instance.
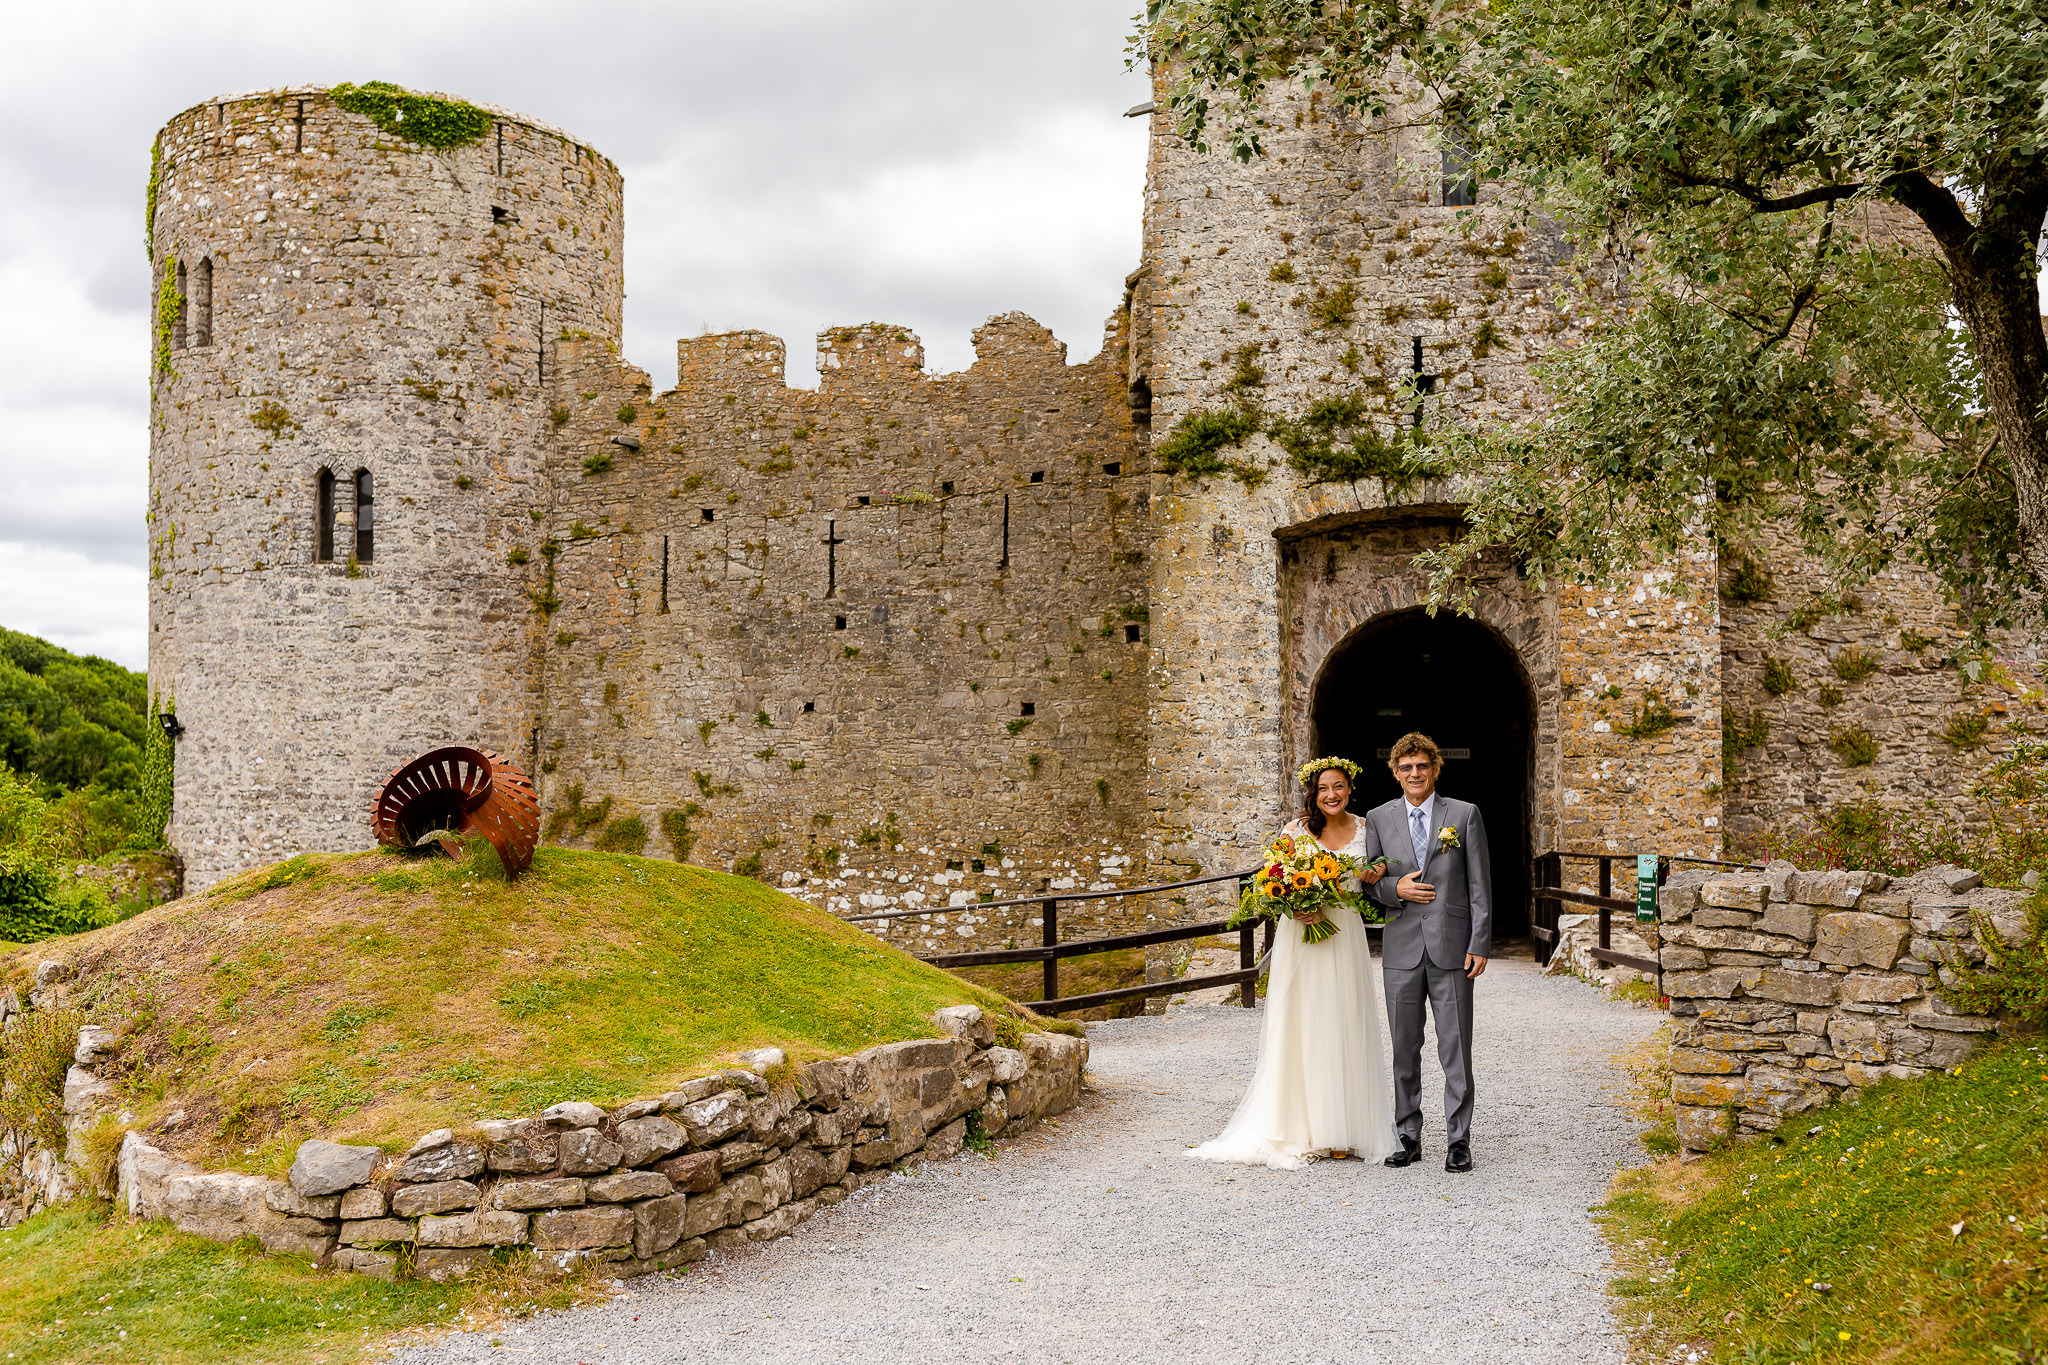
(1460, 919)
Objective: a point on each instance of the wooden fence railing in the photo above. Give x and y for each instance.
(1051, 951)
(1549, 896)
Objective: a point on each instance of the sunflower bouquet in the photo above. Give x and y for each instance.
(1297, 876)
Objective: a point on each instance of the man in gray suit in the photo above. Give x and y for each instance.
(1438, 936)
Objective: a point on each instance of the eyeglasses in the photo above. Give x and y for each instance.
(1414, 767)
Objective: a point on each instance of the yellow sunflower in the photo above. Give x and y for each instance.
(1301, 881)
(1326, 868)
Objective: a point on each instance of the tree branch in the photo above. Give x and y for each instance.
(1764, 203)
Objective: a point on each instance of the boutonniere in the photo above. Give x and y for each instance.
(1447, 837)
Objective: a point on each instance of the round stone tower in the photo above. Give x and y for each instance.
(357, 296)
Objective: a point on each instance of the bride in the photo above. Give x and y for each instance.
(1320, 1087)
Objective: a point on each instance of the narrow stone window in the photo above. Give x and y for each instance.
(178, 319)
(709, 515)
(323, 517)
(202, 303)
(839, 623)
(1113, 468)
(501, 148)
(1141, 402)
(1132, 635)
(810, 706)
(1005, 562)
(1038, 476)
(1030, 709)
(365, 517)
(664, 576)
(299, 129)
(1461, 190)
(862, 500)
(946, 487)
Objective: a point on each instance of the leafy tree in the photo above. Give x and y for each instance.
(74, 723)
(1823, 220)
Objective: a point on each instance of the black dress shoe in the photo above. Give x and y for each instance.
(1460, 1157)
(1410, 1153)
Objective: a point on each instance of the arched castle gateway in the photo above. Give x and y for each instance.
(907, 639)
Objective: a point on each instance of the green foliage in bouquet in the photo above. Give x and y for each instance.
(1298, 876)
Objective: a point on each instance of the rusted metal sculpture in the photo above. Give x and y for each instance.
(455, 791)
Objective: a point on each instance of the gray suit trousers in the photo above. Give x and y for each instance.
(1448, 994)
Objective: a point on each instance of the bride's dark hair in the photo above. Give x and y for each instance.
(1312, 817)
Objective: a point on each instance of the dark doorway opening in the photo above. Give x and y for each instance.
(1458, 682)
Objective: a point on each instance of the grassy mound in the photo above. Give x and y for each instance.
(1912, 1227)
(371, 997)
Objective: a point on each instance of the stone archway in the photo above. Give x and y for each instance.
(1458, 682)
(1352, 613)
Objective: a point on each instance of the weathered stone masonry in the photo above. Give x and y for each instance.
(908, 639)
(1790, 988)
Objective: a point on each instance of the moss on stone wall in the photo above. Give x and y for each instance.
(425, 119)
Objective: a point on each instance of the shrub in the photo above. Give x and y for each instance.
(1829, 695)
(35, 1052)
(1336, 442)
(675, 827)
(1854, 664)
(1966, 729)
(35, 901)
(2014, 978)
(1739, 732)
(627, 834)
(1282, 271)
(600, 463)
(1334, 307)
(1779, 679)
(1749, 581)
(1651, 718)
(1854, 745)
(1193, 449)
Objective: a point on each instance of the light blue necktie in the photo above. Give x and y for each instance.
(1415, 833)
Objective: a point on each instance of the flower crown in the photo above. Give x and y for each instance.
(1307, 772)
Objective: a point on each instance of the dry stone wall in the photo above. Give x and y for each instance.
(649, 1185)
(1789, 989)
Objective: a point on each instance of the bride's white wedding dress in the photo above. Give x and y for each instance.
(1321, 1082)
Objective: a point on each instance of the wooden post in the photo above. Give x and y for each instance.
(1050, 938)
(1606, 912)
(1248, 993)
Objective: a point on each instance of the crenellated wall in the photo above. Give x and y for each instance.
(883, 642)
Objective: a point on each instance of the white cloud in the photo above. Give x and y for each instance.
(88, 606)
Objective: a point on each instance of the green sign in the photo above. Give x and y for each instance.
(1646, 888)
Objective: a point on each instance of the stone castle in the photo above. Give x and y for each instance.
(912, 639)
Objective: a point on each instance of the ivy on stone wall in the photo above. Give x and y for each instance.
(168, 304)
(156, 171)
(159, 759)
(425, 119)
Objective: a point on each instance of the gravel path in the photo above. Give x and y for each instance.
(1096, 1240)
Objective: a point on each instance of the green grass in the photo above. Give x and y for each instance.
(78, 1284)
(1923, 1209)
(371, 998)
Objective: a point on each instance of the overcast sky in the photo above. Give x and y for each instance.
(788, 165)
